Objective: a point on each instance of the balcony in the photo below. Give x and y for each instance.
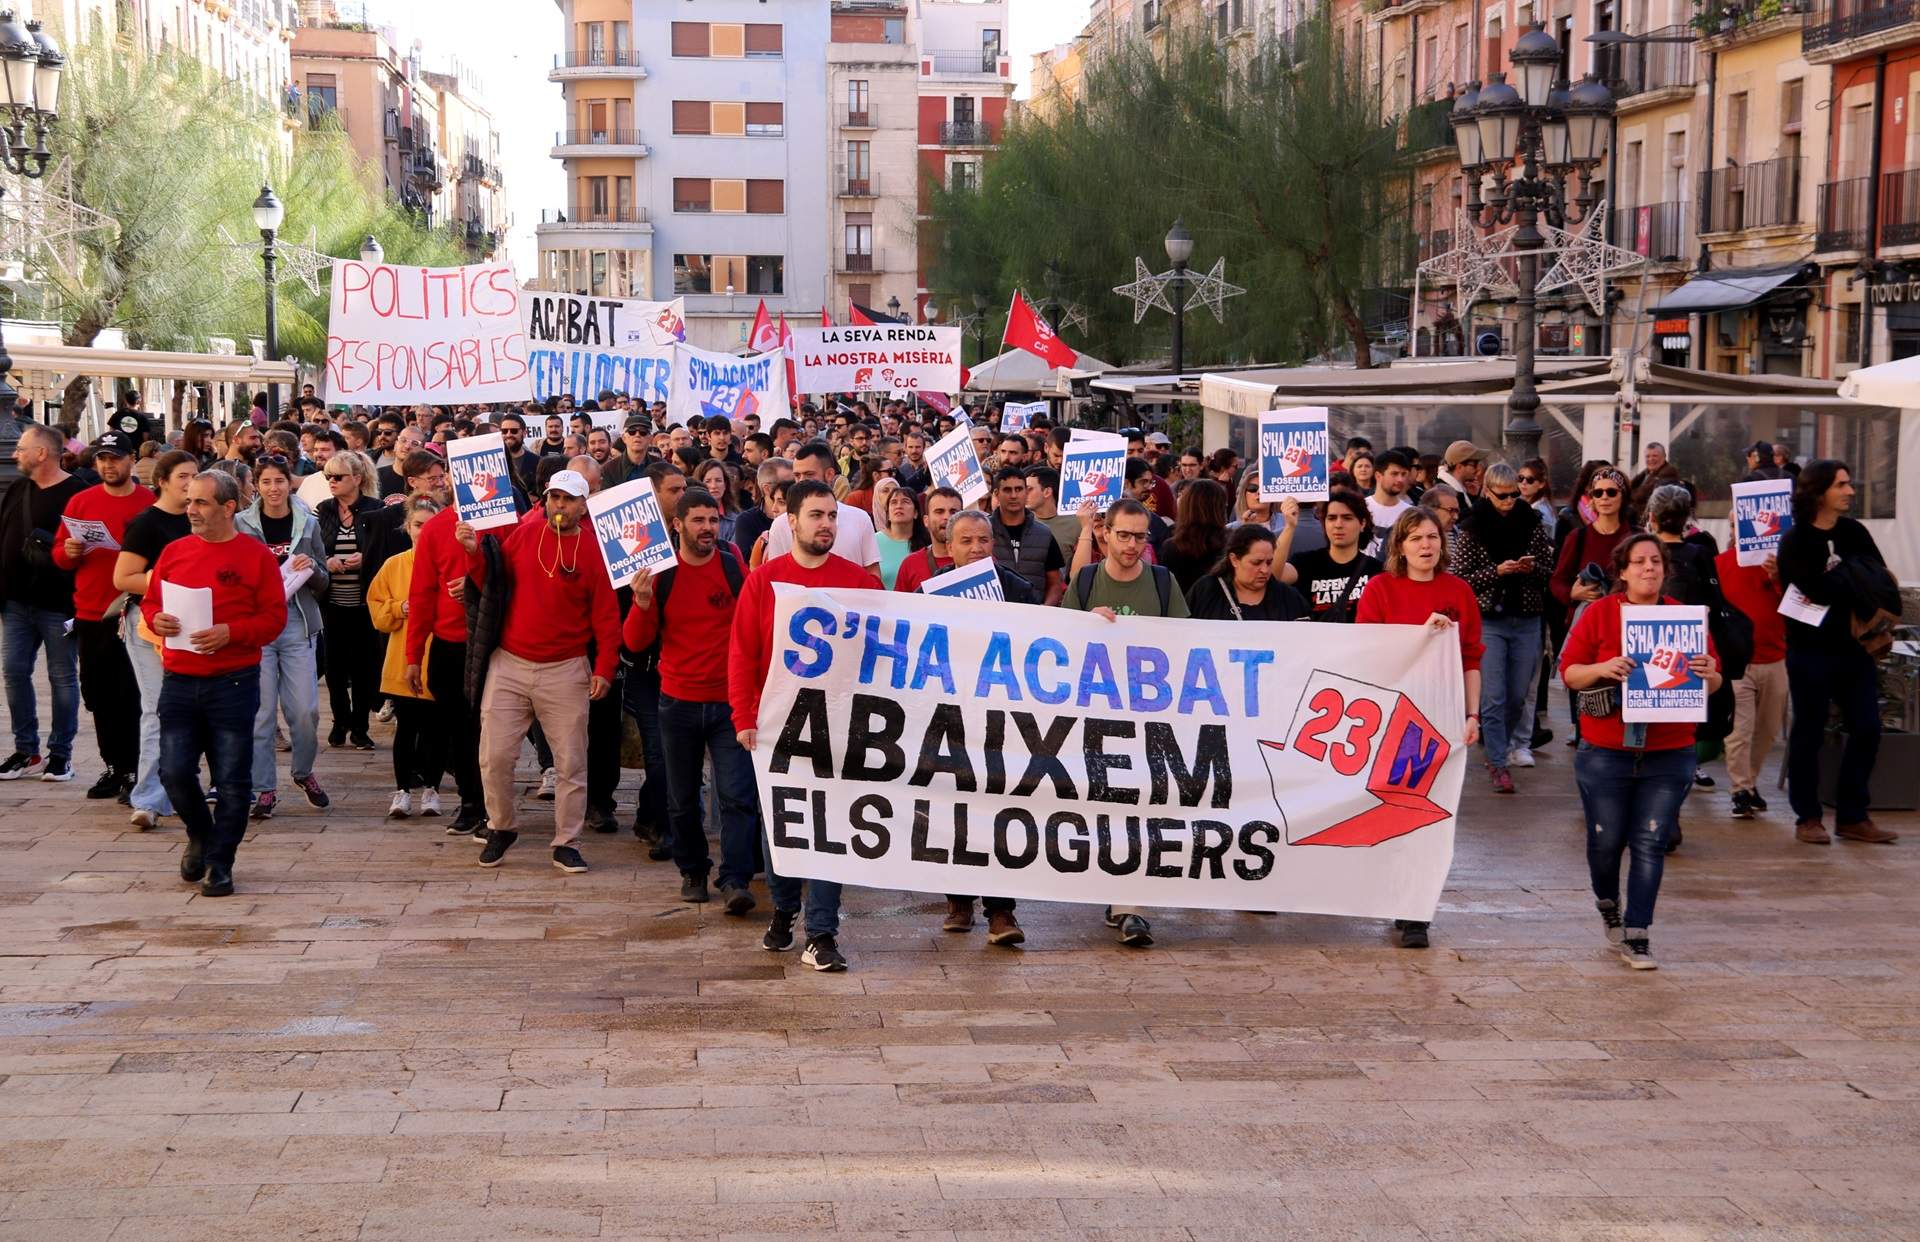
(966, 134)
(1387, 10)
(864, 185)
(1843, 215)
(861, 263)
(860, 119)
(573, 143)
(1425, 132)
(1664, 232)
(1838, 29)
(1900, 207)
(390, 126)
(585, 63)
(979, 62)
(423, 170)
(1731, 23)
(473, 167)
(591, 228)
(1658, 71)
(1754, 196)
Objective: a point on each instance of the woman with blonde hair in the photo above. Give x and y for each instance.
(353, 651)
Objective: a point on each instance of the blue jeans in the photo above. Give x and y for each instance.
(289, 685)
(149, 794)
(1816, 677)
(27, 630)
(1632, 800)
(822, 900)
(1506, 683)
(211, 716)
(688, 733)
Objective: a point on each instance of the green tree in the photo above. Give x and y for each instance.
(1279, 160)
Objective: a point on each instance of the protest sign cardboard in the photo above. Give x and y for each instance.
(1019, 415)
(631, 531)
(398, 335)
(1094, 464)
(707, 383)
(906, 741)
(889, 357)
(953, 463)
(1293, 454)
(1762, 515)
(93, 533)
(1661, 639)
(586, 346)
(482, 487)
(977, 581)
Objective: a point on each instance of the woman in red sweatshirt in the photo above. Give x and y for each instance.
(1418, 590)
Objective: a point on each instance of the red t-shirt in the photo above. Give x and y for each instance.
(699, 628)
(561, 601)
(93, 572)
(1596, 639)
(1748, 588)
(914, 571)
(1394, 600)
(752, 651)
(247, 599)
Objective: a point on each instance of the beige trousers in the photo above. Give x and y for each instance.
(1759, 710)
(517, 693)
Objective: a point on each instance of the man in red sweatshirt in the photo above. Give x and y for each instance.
(211, 690)
(561, 599)
(91, 528)
(436, 609)
(690, 608)
(813, 514)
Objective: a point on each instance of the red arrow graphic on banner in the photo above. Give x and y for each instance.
(1339, 731)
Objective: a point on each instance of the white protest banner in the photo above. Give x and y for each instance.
(1762, 515)
(1661, 639)
(91, 532)
(482, 488)
(586, 346)
(1094, 464)
(1019, 415)
(888, 357)
(707, 383)
(399, 335)
(953, 746)
(1293, 453)
(613, 422)
(631, 531)
(952, 463)
(979, 580)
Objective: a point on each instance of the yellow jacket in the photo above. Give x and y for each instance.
(387, 602)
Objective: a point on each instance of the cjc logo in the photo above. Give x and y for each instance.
(1367, 733)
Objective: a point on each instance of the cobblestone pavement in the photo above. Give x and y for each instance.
(378, 1039)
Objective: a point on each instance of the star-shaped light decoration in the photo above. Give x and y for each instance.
(1585, 258)
(1474, 266)
(1212, 290)
(295, 262)
(1147, 290)
(1073, 315)
(41, 223)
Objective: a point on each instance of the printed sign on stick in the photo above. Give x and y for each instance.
(1293, 454)
(1661, 639)
(1094, 464)
(953, 463)
(1762, 515)
(631, 531)
(482, 487)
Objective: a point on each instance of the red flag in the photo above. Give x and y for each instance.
(856, 316)
(763, 336)
(1028, 331)
(826, 320)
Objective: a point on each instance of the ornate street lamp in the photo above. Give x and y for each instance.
(268, 212)
(30, 67)
(1180, 250)
(1520, 143)
(893, 308)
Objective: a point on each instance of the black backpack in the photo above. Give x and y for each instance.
(648, 661)
(1162, 583)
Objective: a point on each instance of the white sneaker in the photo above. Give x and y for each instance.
(1520, 757)
(401, 806)
(429, 801)
(385, 714)
(144, 820)
(547, 780)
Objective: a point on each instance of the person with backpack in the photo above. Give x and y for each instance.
(689, 607)
(1124, 584)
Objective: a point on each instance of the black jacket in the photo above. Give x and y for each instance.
(486, 617)
(1854, 587)
(29, 528)
(327, 518)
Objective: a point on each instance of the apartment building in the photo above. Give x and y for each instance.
(244, 41)
(873, 93)
(696, 145)
(965, 90)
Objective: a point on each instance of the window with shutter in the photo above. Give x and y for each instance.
(690, 39)
(727, 40)
(692, 116)
(729, 196)
(766, 120)
(766, 197)
(692, 194)
(765, 40)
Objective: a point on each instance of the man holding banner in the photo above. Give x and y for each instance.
(548, 593)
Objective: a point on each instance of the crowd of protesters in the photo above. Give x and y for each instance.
(331, 551)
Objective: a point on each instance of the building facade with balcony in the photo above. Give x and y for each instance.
(873, 92)
(476, 209)
(965, 93)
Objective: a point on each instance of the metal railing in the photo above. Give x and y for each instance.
(1835, 21)
(597, 138)
(1751, 196)
(966, 134)
(1900, 207)
(597, 58)
(1843, 215)
(975, 60)
(1426, 127)
(1664, 232)
(555, 215)
(473, 166)
(857, 118)
(1636, 68)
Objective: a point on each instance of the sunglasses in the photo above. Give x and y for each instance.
(1512, 495)
(1602, 492)
(333, 475)
(1527, 478)
(270, 459)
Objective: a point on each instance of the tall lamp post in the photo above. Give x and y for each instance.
(32, 64)
(1180, 250)
(1551, 134)
(1052, 308)
(268, 212)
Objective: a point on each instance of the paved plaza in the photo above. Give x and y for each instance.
(375, 1038)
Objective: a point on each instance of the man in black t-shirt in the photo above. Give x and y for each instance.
(38, 598)
(1334, 577)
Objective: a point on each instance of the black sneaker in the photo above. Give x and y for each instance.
(739, 901)
(779, 937)
(468, 818)
(264, 805)
(1610, 915)
(57, 770)
(219, 881)
(1411, 934)
(1674, 840)
(1743, 807)
(1701, 780)
(1135, 932)
(20, 764)
(599, 821)
(108, 786)
(1541, 736)
(567, 859)
(310, 789)
(1638, 954)
(337, 736)
(823, 954)
(360, 741)
(1110, 919)
(498, 843)
(1759, 803)
(124, 795)
(659, 853)
(693, 888)
(193, 864)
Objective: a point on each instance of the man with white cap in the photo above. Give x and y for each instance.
(544, 597)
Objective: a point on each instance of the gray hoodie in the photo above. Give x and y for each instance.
(306, 542)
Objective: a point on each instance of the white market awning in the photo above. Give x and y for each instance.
(1895, 384)
(150, 364)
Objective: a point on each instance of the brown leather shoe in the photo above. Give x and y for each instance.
(1003, 928)
(959, 915)
(1868, 831)
(1811, 832)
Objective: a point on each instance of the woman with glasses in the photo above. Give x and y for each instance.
(353, 649)
(147, 535)
(1632, 777)
(289, 665)
(1583, 573)
(1191, 463)
(1534, 490)
(1502, 551)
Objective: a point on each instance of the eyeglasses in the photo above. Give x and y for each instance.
(1449, 510)
(1599, 493)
